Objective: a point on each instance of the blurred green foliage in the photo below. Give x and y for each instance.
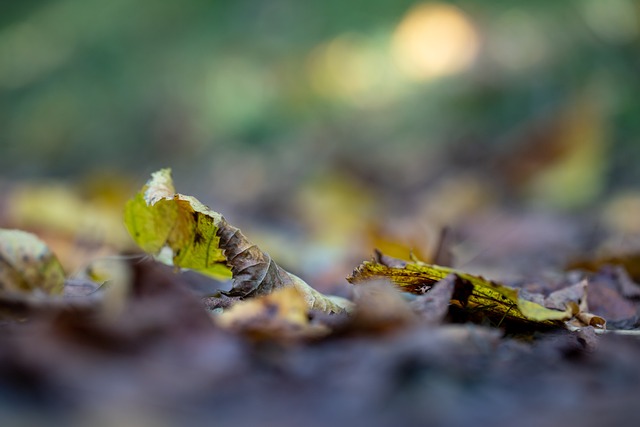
(132, 86)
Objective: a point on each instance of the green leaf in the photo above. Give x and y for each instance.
(27, 264)
(472, 292)
(202, 240)
(158, 217)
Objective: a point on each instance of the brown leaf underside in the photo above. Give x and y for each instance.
(254, 272)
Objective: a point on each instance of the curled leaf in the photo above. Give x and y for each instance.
(574, 298)
(201, 239)
(158, 217)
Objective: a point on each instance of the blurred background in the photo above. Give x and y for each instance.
(326, 129)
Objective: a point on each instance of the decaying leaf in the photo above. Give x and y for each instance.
(471, 292)
(202, 240)
(27, 264)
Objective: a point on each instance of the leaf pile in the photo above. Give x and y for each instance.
(421, 340)
(185, 233)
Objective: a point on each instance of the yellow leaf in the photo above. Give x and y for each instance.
(158, 218)
(202, 240)
(280, 314)
(472, 292)
(27, 264)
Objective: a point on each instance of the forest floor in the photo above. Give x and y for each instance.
(158, 356)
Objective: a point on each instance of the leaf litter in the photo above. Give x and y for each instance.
(418, 342)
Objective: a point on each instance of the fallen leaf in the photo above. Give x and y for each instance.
(590, 319)
(282, 314)
(433, 306)
(201, 239)
(574, 297)
(471, 292)
(158, 218)
(27, 265)
(606, 300)
(576, 294)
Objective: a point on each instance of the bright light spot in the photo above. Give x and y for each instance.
(434, 39)
(351, 68)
